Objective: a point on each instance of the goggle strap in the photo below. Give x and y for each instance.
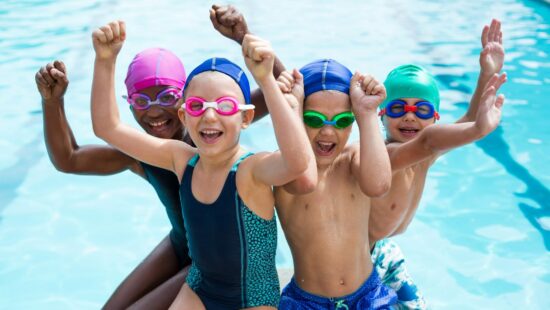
(436, 115)
(245, 107)
(382, 112)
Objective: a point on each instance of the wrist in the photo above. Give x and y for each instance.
(53, 101)
(265, 80)
(105, 61)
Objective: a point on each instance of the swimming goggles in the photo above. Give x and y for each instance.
(315, 119)
(165, 98)
(196, 106)
(398, 108)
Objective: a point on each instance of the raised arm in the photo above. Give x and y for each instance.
(292, 86)
(295, 153)
(436, 139)
(64, 152)
(491, 60)
(231, 24)
(108, 41)
(370, 163)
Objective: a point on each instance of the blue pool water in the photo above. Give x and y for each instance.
(480, 240)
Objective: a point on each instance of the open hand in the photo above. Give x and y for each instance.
(108, 40)
(52, 81)
(259, 57)
(491, 58)
(229, 22)
(292, 86)
(366, 93)
(489, 113)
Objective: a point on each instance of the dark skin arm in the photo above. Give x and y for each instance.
(63, 150)
(231, 24)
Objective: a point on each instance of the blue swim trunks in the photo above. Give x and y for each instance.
(372, 295)
(389, 262)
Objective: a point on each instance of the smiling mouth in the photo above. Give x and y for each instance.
(159, 126)
(210, 135)
(409, 132)
(325, 148)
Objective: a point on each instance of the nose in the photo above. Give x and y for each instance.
(409, 117)
(154, 111)
(209, 115)
(327, 130)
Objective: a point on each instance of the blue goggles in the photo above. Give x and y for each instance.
(398, 108)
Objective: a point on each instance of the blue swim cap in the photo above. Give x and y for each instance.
(325, 74)
(227, 67)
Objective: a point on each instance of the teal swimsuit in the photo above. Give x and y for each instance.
(166, 185)
(233, 249)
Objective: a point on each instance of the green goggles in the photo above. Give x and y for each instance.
(315, 119)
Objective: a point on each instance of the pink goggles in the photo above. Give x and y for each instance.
(196, 106)
(166, 98)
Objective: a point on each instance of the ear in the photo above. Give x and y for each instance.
(248, 116)
(181, 115)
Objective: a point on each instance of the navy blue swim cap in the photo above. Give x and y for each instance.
(227, 67)
(326, 74)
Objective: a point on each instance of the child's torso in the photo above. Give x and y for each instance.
(327, 231)
(233, 249)
(392, 213)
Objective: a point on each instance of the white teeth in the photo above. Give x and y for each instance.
(156, 124)
(326, 144)
(210, 132)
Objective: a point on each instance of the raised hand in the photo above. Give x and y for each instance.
(229, 22)
(52, 81)
(259, 57)
(366, 93)
(108, 40)
(489, 112)
(491, 58)
(292, 86)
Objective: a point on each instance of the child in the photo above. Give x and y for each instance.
(226, 194)
(156, 281)
(327, 230)
(414, 142)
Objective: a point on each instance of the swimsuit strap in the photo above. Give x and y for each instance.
(236, 164)
(193, 161)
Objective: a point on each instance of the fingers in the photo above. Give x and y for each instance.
(285, 81)
(500, 101)
(59, 65)
(59, 76)
(256, 48)
(40, 81)
(45, 72)
(484, 36)
(214, 19)
(501, 80)
(113, 32)
(356, 80)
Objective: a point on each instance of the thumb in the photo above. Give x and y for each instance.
(298, 77)
(214, 19)
(355, 80)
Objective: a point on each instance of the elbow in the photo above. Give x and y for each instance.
(298, 167)
(378, 189)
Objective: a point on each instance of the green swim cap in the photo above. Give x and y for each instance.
(411, 81)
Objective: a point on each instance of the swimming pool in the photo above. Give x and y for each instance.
(480, 240)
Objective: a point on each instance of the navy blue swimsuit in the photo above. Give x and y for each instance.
(232, 249)
(167, 186)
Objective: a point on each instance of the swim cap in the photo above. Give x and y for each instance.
(325, 74)
(227, 67)
(411, 81)
(153, 67)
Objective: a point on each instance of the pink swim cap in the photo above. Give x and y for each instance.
(153, 67)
